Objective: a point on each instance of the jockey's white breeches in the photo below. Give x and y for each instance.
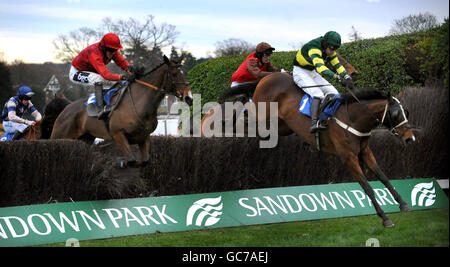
(88, 78)
(305, 78)
(12, 127)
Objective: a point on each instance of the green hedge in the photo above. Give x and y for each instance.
(389, 63)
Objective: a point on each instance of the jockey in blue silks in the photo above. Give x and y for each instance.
(14, 110)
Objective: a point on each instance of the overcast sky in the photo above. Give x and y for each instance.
(27, 27)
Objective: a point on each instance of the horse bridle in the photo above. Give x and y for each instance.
(391, 116)
(387, 120)
(173, 90)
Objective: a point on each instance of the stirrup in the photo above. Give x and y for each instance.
(103, 114)
(316, 127)
(16, 136)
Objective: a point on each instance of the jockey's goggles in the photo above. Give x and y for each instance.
(111, 50)
(333, 47)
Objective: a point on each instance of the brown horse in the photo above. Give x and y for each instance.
(135, 116)
(245, 91)
(348, 132)
(34, 132)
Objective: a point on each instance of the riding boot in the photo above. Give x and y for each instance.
(103, 109)
(315, 124)
(18, 135)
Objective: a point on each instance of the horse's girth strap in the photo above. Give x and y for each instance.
(352, 130)
(147, 84)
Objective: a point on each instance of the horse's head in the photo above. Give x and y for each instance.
(395, 118)
(177, 82)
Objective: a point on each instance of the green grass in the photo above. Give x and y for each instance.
(416, 229)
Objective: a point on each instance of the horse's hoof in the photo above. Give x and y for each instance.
(405, 208)
(388, 223)
(133, 164)
(122, 164)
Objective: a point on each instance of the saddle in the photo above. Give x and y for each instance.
(328, 107)
(91, 103)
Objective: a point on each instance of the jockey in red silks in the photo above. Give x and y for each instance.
(256, 66)
(89, 68)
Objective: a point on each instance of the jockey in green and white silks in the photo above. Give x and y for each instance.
(14, 110)
(310, 70)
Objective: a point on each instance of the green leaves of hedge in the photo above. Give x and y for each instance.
(390, 63)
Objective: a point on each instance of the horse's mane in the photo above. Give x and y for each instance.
(140, 71)
(364, 94)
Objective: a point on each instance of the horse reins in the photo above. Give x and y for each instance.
(354, 131)
(147, 84)
(155, 88)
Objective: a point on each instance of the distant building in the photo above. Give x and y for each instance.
(167, 122)
(51, 89)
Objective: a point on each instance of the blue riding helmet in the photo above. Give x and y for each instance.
(25, 91)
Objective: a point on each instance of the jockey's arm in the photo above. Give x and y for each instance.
(253, 68)
(36, 115)
(272, 68)
(120, 61)
(334, 61)
(101, 69)
(14, 118)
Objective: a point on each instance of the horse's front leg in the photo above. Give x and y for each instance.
(145, 150)
(352, 163)
(371, 163)
(122, 141)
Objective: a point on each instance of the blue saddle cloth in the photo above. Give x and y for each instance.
(107, 97)
(6, 136)
(305, 106)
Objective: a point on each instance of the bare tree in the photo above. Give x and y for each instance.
(68, 46)
(232, 46)
(354, 35)
(414, 23)
(142, 41)
(137, 34)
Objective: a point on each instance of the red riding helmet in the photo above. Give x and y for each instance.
(111, 40)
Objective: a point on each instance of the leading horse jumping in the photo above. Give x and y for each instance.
(348, 132)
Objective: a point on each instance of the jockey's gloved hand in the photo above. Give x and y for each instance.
(130, 69)
(347, 82)
(129, 77)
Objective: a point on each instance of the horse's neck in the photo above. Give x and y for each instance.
(366, 115)
(33, 132)
(156, 77)
(148, 96)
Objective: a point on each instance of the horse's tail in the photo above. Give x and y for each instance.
(52, 111)
(246, 88)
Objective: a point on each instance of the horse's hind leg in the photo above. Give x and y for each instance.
(369, 160)
(352, 163)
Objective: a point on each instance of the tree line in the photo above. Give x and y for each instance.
(143, 43)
